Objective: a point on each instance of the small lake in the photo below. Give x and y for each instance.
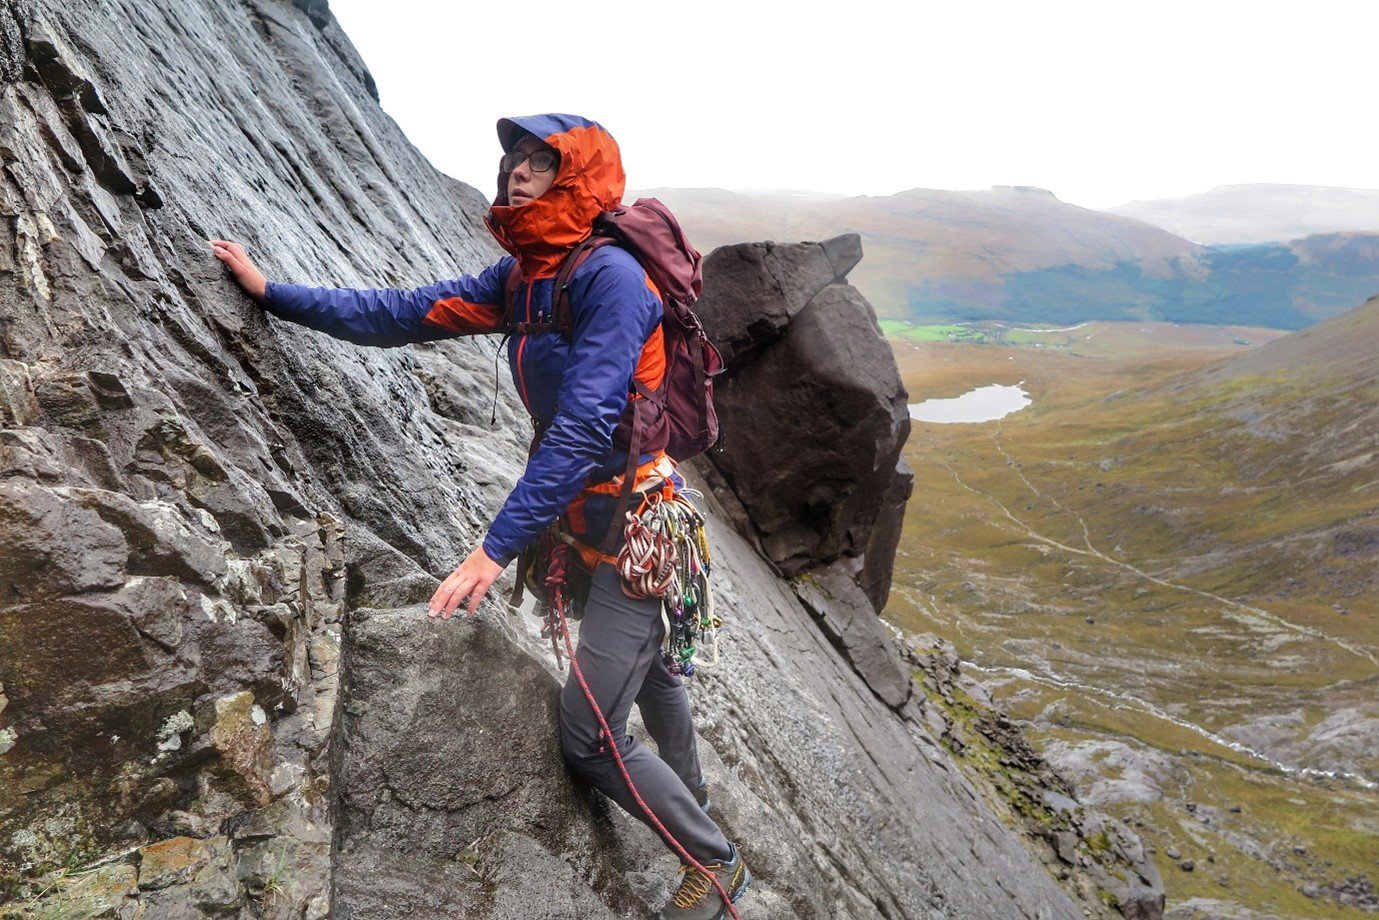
(984, 404)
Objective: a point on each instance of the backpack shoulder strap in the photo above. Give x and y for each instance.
(563, 321)
(510, 285)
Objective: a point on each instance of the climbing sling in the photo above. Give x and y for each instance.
(666, 555)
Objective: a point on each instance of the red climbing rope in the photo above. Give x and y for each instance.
(555, 593)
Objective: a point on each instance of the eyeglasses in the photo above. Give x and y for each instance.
(542, 160)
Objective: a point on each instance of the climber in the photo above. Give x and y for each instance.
(557, 173)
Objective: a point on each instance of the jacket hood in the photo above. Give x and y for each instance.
(589, 180)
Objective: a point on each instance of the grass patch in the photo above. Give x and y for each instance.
(902, 331)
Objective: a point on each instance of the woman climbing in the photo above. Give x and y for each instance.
(557, 174)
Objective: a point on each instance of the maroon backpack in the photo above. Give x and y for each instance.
(687, 424)
(680, 418)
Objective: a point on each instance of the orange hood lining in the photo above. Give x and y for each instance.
(589, 180)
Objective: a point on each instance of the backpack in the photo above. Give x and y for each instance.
(680, 418)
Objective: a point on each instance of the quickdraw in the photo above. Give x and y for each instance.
(666, 555)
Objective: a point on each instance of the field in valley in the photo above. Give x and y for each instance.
(1187, 626)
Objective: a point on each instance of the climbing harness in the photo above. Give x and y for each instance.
(558, 628)
(666, 555)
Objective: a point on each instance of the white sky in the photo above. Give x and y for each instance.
(1101, 101)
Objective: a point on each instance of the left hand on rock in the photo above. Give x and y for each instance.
(471, 580)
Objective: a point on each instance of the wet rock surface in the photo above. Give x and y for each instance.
(218, 694)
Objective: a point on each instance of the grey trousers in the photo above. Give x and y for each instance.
(620, 655)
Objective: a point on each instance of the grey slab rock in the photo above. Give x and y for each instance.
(243, 515)
(846, 615)
(463, 798)
(820, 752)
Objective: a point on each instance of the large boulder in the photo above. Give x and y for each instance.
(814, 417)
(753, 292)
(813, 411)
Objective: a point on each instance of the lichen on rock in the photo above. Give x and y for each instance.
(169, 734)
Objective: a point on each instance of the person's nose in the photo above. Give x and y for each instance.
(522, 172)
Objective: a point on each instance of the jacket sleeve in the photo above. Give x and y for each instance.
(613, 316)
(471, 305)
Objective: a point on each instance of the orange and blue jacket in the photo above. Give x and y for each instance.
(575, 388)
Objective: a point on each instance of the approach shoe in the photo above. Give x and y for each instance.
(698, 899)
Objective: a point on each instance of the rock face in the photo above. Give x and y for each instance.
(173, 505)
(219, 696)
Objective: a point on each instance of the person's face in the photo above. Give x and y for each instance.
(526, 184)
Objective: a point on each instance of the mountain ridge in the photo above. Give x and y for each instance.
(1260, 212)
(1016, 255)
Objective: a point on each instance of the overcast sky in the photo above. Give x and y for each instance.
(1101, 102)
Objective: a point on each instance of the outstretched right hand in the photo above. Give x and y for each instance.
(246, 274)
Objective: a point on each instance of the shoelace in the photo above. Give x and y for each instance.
(693, 889)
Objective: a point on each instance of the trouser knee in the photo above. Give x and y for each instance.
(576, 754)
(582, 745)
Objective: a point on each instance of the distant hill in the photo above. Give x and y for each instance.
(1280, 283)
(1260, 213)
(1311, 402)
(942, 255)
(1018, 254)
(1286, 448)
(1341, 347)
